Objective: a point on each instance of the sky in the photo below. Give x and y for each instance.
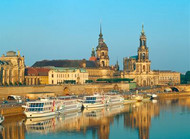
(68, 29)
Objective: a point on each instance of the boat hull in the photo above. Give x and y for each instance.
(129, 101)
(115, 103)
(39, 114)
(70, 110)
(90, 105)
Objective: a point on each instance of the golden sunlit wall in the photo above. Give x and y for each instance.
(43, 79)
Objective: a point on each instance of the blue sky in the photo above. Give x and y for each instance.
(68, 29)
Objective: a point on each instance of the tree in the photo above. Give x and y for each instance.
(187, 77)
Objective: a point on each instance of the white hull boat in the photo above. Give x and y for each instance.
(94, 101)
(42, 108)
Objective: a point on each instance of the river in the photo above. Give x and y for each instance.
(158, 119)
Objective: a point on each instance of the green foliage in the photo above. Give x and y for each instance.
(89, 81)
(70, 81)
(114, 80)
(187, 76)
(185, 79)
(16, 83)
(11, 84)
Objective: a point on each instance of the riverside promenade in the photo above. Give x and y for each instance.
(11, 109)
(16, 109)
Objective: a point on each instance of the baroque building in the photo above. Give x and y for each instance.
(102, 51)
(12, 68)
(138, 67)
(97, 66)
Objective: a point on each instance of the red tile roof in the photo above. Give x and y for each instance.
(30, 71)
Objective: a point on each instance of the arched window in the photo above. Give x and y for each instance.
(102, 53)
(103, 63)
(143, 56)
(144, 68)
(144, 82)
(134, 66)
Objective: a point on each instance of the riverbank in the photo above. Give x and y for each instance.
(77, 89)
(173, 95)
(13, 110)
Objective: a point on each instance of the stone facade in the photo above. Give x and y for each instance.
(60, 75)
(138, 68)
(12, 68)
(97, 73)
(168, 77)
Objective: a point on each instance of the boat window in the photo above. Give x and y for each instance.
(91, 98)
(90, 101)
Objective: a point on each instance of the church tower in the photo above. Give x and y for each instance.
(102, 51)
(143, 62)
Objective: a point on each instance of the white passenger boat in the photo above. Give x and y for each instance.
(94, 101)
(70, 104)
(114, 99)
(43, 107)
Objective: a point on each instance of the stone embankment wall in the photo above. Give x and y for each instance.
(173, 95)
(62, 89)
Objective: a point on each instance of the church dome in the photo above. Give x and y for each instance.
(11, 54)
(102, 46)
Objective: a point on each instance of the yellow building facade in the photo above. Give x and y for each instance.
(36, 76)
(64, 75)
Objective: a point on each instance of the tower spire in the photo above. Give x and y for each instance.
(142, 32)
(100, 28)
(101, 35)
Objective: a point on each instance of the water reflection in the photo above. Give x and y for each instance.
(140, 118)
(96, 123)
(13, 128)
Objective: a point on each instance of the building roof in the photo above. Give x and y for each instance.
(102, 46)
(60, 69)
(11, 54)
(164, 71)
(66, 63)
(92, 58)
(33, 71)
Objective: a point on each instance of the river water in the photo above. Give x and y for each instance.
(162, 119)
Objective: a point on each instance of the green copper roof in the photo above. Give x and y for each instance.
(68, 69)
